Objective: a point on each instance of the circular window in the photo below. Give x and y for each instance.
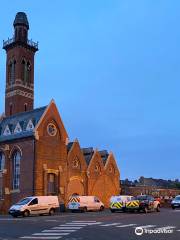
(51, 129)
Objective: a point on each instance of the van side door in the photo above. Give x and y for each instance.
(33, 206)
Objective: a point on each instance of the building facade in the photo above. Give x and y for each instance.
(36, 157)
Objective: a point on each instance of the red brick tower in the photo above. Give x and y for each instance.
(19, 95)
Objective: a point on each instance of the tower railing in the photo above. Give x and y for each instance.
(12, 40)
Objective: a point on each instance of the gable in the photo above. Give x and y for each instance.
(111, 163)
(96, 164)
(51, 116)
(75, 156)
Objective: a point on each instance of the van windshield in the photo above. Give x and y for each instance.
(140, 197)
(177, 198)
(24, 201)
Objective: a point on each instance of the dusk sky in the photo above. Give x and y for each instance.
(113, 69)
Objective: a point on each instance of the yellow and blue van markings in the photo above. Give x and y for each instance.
(132, 204)
(116, 204)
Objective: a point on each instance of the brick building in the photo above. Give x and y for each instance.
(36, 157)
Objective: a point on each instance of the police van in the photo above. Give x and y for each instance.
(35, 205)
(118, 203)
(143, 203)
(85, 203)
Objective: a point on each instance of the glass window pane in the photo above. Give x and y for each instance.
(16, 170)
(2, 161)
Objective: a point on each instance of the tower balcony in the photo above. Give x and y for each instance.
(11, 41)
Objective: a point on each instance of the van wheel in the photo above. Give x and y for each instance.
(26, 213)
(85, 209)
(101, 209)
(112, 210)
(51, 211)
(145, 210)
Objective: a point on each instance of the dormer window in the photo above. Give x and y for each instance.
(18, 128)
(7, 131)
(30, 126)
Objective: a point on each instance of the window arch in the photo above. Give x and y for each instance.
(16, 158)
(25, 107)
(10, 109)
(12, 68)
(2, 161)
(52, 184)
(26, 71)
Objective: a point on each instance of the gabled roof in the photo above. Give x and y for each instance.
(104, 155)
(88, 153)
(23, 119)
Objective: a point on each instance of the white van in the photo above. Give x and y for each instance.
(118, 203)
(85, 203)
(35, 205)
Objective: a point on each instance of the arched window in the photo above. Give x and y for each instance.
(2, 161)
(10, 109)
(52, 184)
(25, 107)
(23, 70)
(12, 68)
(26, 71)
(16, 169)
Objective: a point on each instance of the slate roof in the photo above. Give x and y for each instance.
(21, 19)
(104, 155)
(88, 153)
(69, 146)
(23, 119)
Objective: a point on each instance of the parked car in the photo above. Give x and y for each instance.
(176, 202)
(143, 203)
(35, 205)
(118, 203)
(85, 203)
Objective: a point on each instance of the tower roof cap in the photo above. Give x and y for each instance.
(21, 19)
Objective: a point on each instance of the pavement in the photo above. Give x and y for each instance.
(94, 225)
